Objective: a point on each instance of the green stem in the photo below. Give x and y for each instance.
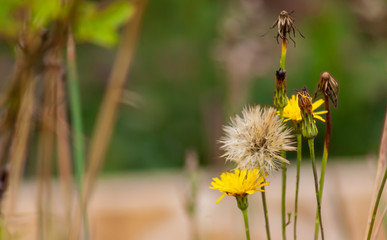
(283, 202)
(246, 224)
(377, 204)
(312, 158)
(299, 157)
(321, 186)
(283, 195)
(266, 213)
(76, 114)
(283, 52)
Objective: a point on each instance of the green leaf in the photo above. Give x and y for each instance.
(44, 11)
(100, 26)
(8, 24)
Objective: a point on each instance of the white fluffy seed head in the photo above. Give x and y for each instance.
(255, 139)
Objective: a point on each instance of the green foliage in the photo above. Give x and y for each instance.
(93, 24)
(43, 12)
(100, 26)
(9, 25)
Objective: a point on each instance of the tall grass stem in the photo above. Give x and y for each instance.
(76, 112)
(379, 185)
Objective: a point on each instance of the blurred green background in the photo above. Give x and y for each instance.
(199, 62)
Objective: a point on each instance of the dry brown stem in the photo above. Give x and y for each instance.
(379, 171)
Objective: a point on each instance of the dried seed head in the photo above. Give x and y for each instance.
(255, 139)
(304, 100)
(328, 86)
(285, 26)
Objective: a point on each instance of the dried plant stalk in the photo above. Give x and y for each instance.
(379, 174)
(20, 137)
(52, 75)
(63, 152)
(379, 223)
(108, 111)
(107, 115)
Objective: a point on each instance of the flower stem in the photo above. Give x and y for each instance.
(283, 195)
(299, 157)
(266, 213)
(283, 52)
(377, 204)
(244, 212)
(321, 186)
(312, 158)
(327, 140)
(283, 202)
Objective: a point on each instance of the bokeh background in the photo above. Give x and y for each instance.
(196, 64)
(199, 63)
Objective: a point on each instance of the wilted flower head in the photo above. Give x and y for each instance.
(304, 100)
(256, 139)
(329, 87)
(308, 125)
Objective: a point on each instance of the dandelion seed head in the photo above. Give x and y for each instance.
(256, 139)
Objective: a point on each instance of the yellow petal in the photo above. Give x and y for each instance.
(319, 118)
(317, 104)
(221, 197)
(320, 112)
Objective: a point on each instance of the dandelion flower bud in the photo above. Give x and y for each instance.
(308, 125)
(280, 97)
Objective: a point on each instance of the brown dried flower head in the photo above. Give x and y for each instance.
(255, 139)
(285, 26)
(328, 85)
(304, 100)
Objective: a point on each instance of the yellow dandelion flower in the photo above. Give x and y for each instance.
(239, 183)
(292, 110)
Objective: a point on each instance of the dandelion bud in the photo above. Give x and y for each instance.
(308, 125)
(280, 97)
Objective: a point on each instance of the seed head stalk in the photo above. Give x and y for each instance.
(283, 195)
(328, 133)
(283, 153)
(299, 157)
(312, 158)
(283, 52)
